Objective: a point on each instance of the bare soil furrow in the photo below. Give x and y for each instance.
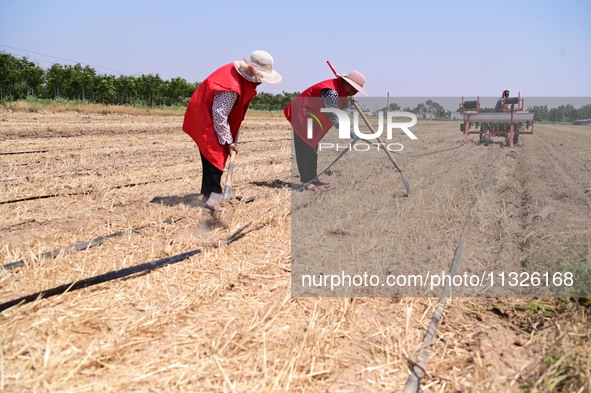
(228, 320)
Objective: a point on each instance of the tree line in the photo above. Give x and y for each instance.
(21, 79)
(429, 107)
(564, 113)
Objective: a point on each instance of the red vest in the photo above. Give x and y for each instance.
(307, 105)
(198, 121)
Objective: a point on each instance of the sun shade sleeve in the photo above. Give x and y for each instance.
(330, 98)
(223, 102)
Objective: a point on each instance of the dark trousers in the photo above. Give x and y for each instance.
(306, 158)
(211, 180)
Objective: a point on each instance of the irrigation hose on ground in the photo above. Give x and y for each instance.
(142, 268)
(418, 369)
(145, 267)
(86, 245)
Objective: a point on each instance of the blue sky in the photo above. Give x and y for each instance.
(414, 48)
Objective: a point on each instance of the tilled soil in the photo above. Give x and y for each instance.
(226, 320)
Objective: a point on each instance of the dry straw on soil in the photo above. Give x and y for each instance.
(226, 320)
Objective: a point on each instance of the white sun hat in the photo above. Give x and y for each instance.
(258, 68)
(355, 79)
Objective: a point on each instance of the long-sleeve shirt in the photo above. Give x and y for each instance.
(223, 102)
(330, 98)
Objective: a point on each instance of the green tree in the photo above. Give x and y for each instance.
(177, 91)
(81, 81)
(71, 87)
(56, 78)
(125, 88)
(540, 112)
(553, 115)
(571, 113)
(271, 102)
(8, 76)
(87, 78)
(585, 112)
(105, 89)
(31, 77)
(149, 88)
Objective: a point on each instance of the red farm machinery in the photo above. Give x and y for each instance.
(510, 121)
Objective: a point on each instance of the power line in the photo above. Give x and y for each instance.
(63, 59)
(266, 88)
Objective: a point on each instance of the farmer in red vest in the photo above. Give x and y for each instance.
(331, 93)
(216, 111)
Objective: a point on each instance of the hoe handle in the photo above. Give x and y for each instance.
(230, 168)
(227, 187)
(388, 153)
(332, 68)
(402, 175)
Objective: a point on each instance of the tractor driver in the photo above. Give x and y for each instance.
(501, 107)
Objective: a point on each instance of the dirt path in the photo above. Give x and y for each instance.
(226, 321)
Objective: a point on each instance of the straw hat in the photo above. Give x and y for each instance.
(258, 68)
(355, 79)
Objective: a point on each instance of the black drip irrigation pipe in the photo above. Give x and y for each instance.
(36, 197)
(88, 192)
(110, 276)
(114, 275)
(85, 245)
(146, 182)
(145, 267)
(418, 369)
(12, 153)
(148, 266)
